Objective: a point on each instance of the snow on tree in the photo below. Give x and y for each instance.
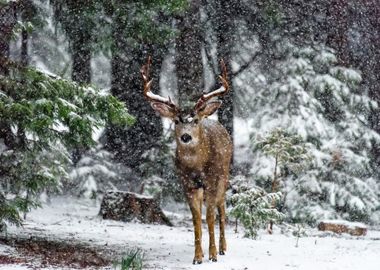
(308, 94)
(96, 172)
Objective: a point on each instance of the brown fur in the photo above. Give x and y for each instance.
(208, 162)
(203, 158)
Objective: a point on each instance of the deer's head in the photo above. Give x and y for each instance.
(188, 122)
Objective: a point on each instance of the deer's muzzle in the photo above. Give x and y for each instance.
(186, 138)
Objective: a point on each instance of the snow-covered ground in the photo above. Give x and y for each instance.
(172, 247)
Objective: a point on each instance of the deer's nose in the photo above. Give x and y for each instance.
(186, 138)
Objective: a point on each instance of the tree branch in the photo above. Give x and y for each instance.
(244, 67)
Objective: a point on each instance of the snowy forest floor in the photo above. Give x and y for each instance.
(75, 226)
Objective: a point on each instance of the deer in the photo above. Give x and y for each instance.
(203, 157)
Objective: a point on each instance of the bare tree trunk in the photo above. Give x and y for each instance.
(338, 32)
(8, 19)
(81, 56)
(130, 144)
(189, 58)
(24, 48)
(223, 25)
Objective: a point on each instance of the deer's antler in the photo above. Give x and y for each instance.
(149, 95)
(218, 92)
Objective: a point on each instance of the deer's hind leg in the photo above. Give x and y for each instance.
(222, 223)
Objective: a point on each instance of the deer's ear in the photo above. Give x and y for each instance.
(163, 109)
(209, 108)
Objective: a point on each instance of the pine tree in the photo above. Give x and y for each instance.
(47, 115)
(253, 206)
(310, 95)
(288, 151)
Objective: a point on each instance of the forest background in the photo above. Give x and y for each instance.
(305, 78)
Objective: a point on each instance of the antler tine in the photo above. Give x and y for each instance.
(145, 75)
(149, 95)
(218, 92)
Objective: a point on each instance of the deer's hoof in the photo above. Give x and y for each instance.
(222, 252)
(197, 261)
(214, 259)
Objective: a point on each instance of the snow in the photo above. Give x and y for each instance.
(165, 247)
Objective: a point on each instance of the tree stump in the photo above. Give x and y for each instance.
(126, 206)
(342, 226)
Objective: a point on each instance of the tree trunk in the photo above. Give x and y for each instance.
(224, 37)
(81, 57)
(24, 48)
(129, 144)
(188, 56)
(337, 37)
(128, 206)
(8, 19)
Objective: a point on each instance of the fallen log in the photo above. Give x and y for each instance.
(342, 226)
(126, 206)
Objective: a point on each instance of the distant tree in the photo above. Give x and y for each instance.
(337, 36)
(220, 35)
(133, 39)
(189, 67)
(80, 21)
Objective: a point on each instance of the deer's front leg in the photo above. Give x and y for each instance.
(195, 199)
(210, 216)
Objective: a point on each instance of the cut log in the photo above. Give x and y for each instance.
(126, 206)
(342, 226)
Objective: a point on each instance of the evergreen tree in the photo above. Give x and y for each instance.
(288, 151)
(253, 206)
(310, 95)
(46, 115)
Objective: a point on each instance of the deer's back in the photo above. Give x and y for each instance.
(220, 144)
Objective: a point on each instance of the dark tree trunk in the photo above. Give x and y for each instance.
(337, 37)
(371, 70)
(224, 34)
(81, 57)
(189, 58)
(24, 48)
(8, 19)
(129, 144)
(81, 42)
(81, 72)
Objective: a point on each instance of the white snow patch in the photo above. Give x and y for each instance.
(165, 247)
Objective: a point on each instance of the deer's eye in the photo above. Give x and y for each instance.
(196, 121)
(176, 121)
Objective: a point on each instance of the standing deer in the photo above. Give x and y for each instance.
(203, 157)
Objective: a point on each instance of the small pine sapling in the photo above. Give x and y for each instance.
(288, 150)
(253, 207)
